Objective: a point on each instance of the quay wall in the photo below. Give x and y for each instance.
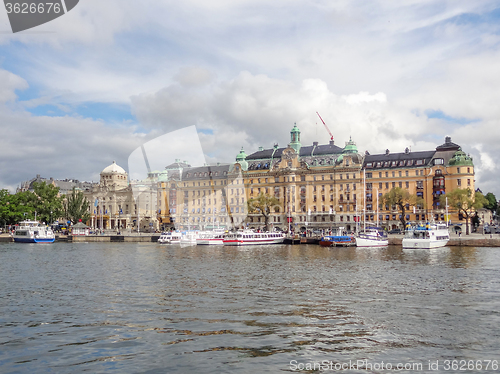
(460, 242)
(112, 238)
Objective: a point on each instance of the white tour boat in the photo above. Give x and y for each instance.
(432, 235)
(250, 237)
(189, 237)
(170, 237)
(33, 232)
(215, 237)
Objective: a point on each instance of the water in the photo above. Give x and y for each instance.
(143, 307)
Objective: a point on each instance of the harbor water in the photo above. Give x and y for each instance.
(151, 308)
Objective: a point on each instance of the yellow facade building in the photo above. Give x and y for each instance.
(319, 187)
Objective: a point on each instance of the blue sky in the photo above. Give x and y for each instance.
(91, 86)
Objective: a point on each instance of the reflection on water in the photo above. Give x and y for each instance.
(150, 308)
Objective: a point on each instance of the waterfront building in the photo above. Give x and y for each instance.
(322, 186)
(204, 197)
(119, 205)
(427, 174)
(318, 185)
(65, 185)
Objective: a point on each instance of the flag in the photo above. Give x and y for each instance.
(96, 202)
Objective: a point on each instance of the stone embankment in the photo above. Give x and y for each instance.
(472, 240)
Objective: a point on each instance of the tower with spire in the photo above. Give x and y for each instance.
(295, 139)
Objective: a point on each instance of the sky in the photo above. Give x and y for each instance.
(93, 85)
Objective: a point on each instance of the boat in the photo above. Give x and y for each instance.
(215, 237)
(430, 235)
(372, 237)
(189, 237)
(337, 239)
(33, 232)
(251, 237)
(170, 237)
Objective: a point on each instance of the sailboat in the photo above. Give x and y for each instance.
(371, 236)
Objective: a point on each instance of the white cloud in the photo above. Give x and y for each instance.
(248, 70)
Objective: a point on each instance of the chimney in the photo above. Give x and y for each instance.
(387, 152)
(407, 150)
(261, 149)
(315, 144)
(331, 142)
(447, 140)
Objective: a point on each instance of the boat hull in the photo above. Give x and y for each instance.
(253, 242)
(337, 241)
(423, 243)
(30, 240)
(366, 242)
(215, 241)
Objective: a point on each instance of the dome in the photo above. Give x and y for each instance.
(113, 169)
(350, 147)
(461, 159)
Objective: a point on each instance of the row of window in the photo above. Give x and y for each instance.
(302, 178)
(396, 163)
(407, 173)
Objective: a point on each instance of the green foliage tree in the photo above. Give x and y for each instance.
(263, 204)
(465, 202)
(76, 207)
(15, 207)
(403, 200)
(46, 202)
(492, 202)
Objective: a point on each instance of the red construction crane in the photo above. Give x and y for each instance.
(327, 129)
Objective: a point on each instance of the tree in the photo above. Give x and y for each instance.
(46, 202)
(492, 202)
(263, 205)
(76, 207)
(465, 202)
(402, 199)
(15, 208)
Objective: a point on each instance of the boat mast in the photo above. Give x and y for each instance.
(446, 208)
(364, 200)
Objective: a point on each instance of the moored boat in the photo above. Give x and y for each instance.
(430, 235)
(337, 239)
(250, 237)
(215, 237)
(33, 232)
(170, 237)
(189, 237)
(372, 237)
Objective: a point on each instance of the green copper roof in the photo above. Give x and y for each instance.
(461, 159)
(241, 156)
(350, 147)
(241, 159)
(295, 138)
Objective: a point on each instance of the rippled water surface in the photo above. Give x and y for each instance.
(143, 307)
